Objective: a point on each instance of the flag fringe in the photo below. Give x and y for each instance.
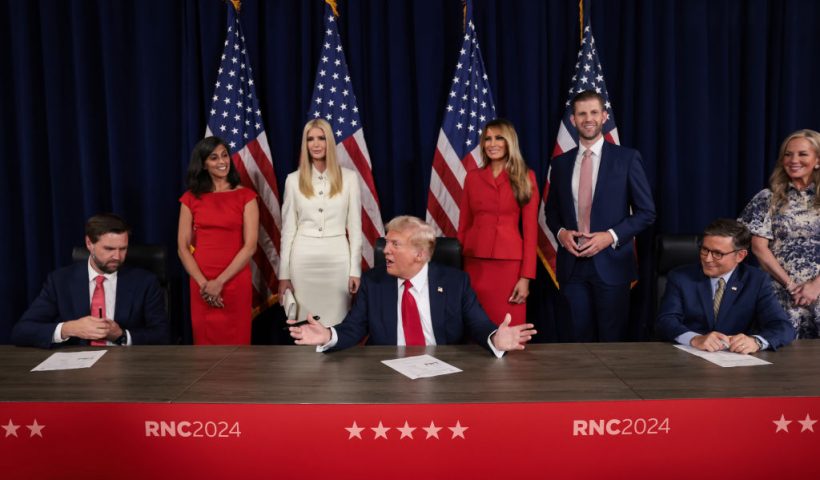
(332, 4)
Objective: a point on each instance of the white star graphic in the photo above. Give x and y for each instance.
(406, 430)
(355, 431)
(36, 429)
(458, 430)
(432, 430)
(380, 431)
(782, 424)
(11, 429)
(807, 424)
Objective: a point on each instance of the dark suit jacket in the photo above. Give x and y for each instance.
(140, 307)
(748, 306)
(621, 184)
(454, 309)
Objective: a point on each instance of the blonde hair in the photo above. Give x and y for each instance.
(516, 167)
(422, 236)
(779, 180)
(333, 171)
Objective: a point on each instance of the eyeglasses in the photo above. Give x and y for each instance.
(717, 255)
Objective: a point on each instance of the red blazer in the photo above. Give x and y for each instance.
(489, 218)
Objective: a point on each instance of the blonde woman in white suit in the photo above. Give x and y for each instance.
(320, 258)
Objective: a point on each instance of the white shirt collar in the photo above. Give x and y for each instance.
(92, 274)
(419, 281)
(596, 148)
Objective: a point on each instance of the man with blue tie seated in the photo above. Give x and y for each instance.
(722, 304)
(97, 302)
(410, 301)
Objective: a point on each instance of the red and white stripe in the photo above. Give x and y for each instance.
(352, 153)
(446, 185)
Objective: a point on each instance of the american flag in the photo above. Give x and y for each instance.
(235, 117)
(588, 76)
(458, 149)
(334, 100)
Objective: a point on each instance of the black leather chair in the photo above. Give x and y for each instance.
(447, 252)
(147, 257)
(673, 251)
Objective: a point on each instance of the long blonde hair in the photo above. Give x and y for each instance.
(516, 167)
(332, 170)
(779, 181)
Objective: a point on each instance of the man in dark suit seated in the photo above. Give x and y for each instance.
(97, 302)
(410, 301)
(722, 304)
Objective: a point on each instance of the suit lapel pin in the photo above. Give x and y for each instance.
(440, 289)
(734, 289)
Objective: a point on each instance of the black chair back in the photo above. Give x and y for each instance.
(447, 252)
(673, 251)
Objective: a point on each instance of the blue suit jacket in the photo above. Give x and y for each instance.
(748, 306)
(140, 307)
(454, 309)
(621, 184)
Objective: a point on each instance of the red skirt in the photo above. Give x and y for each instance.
(493, 281)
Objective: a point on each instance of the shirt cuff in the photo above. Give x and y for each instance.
(686, 338)
(58, 334)
(614, 238)
(334, 339)
(498, 353)
(762, 340)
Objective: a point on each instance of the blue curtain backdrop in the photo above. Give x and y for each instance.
(103, 100)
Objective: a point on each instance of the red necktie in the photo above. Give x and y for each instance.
(585, 193)
(410, 320)
(98, 306)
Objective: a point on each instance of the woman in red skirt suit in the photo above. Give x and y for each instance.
(499, 256)
(218, 228)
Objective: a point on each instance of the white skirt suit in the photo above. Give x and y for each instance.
(321, 245)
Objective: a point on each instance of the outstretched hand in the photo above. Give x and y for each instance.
(508, 338)
(310, 333)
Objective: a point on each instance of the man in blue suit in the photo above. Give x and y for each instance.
(722, 304)
(445, 309)
(599, 200)
(129, 307)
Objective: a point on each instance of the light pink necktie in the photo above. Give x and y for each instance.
(98, 306)
(585, 193)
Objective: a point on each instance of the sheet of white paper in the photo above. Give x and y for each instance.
(725, 358)
(69, 360)
(420, 366)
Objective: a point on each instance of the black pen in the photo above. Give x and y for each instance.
(99, 312)
(299, 324)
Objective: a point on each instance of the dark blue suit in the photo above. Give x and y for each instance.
(454, 309)
(748, 306)
(140, 307)
(621, 185)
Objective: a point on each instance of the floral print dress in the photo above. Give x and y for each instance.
(794, 234)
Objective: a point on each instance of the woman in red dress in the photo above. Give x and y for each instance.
(499, 256)
(218, 228)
